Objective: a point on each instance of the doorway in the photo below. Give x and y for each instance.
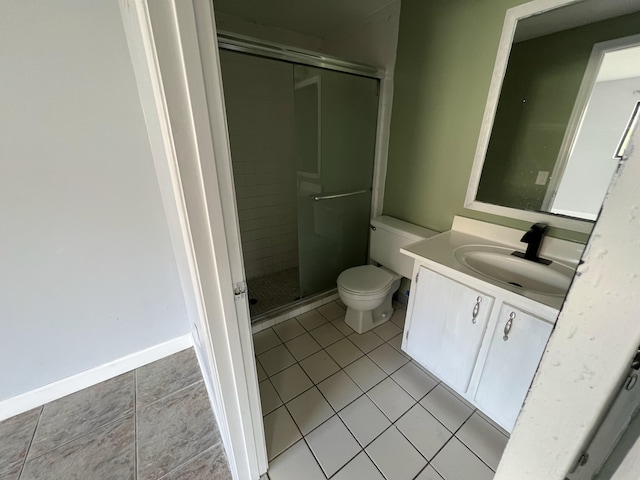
(302, 146)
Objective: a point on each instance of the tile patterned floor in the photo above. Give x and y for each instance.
(274, 290)
(152, 423)
(349, 407)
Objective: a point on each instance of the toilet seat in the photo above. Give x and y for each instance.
(365, 280)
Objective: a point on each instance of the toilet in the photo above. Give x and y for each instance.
(367, 290)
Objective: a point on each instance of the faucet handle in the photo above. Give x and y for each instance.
(536, 230)
(540, 226)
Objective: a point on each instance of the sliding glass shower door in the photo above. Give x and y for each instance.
(302, 147)
(335, 120)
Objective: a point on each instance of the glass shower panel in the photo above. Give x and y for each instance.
(259, 100)
(335, 126)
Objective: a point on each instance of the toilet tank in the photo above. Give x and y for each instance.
(389, 236)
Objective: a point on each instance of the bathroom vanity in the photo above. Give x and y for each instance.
(469, 326)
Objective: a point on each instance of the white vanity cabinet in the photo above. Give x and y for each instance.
(456, 330)
(517, 344)
(447, 328)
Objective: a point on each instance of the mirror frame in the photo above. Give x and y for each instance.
(512, 17)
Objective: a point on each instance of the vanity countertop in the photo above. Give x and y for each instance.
(437, 253)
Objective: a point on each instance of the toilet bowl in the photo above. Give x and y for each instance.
(367, 290)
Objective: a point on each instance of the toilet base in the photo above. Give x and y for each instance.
(364, 321)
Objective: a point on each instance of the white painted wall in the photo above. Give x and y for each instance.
(88, 272)
(591, 164)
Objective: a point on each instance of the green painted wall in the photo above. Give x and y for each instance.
(446, 54)
(537, 98)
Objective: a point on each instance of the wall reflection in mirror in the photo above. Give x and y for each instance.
(565, 106)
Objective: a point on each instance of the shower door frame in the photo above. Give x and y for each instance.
(261, 48)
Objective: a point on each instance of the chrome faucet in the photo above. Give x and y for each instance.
(533, 238)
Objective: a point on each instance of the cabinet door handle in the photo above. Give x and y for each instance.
(476, 309)
(507, 326)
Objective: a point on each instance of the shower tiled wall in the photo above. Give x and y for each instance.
(260, 112)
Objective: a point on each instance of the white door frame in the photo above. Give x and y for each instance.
(179, 81)
(173, 48)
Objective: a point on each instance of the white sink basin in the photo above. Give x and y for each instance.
(498, 264)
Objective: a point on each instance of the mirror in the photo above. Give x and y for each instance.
(562, 99)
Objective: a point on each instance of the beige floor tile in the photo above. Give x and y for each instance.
(319, 366)
(365, 373)
(280, 431)
(414, 380)
(360, 468)
(326, 334)
(276, 360)
(339, 390)
(387, 358)
(446, 407)
(483, 439)
(391, 399)
(457, 462)
(424, 432)
(303, 346)
(366, 341)
(364, 420)
(387, 330)
(331, 311)
(395, 456)
(265, 340)
(332, 445)
(429, 474)
(344, 352)
(291, 382)
(311, 320)
(269, 398)
(288, 329)
(292, 463)
(309, 410)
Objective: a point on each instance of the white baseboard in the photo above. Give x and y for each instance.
(53, 391)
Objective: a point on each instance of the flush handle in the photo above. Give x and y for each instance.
(507, 326)
(476, 309)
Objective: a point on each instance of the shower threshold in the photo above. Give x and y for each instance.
(303, 304)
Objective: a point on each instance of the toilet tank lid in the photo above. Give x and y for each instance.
(400, 227)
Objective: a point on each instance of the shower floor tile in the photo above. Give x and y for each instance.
(272, 291)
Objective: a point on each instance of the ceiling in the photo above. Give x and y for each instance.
(312, 17)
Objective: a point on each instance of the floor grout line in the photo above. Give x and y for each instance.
(181, 389)
(135, 424)
(33, 437)
(104, 425)
(414, 401)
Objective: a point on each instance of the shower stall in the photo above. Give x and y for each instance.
(302, 130)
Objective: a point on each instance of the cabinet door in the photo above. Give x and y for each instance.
(447, 324)
(512, 361)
